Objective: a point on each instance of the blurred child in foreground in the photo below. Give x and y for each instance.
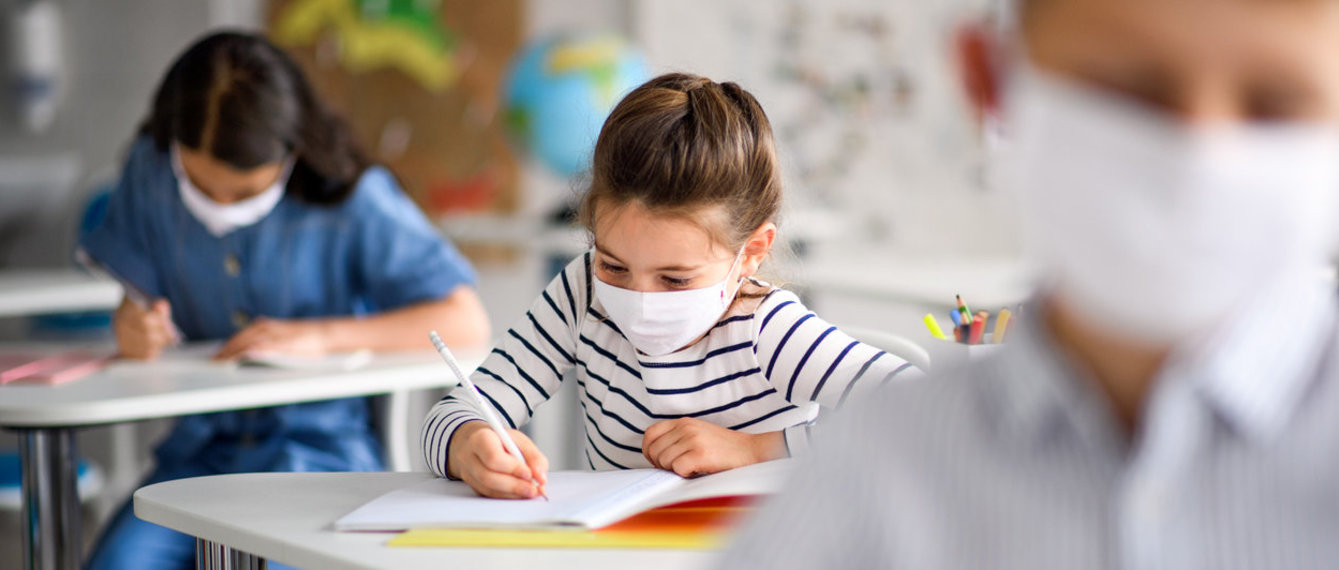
(1174, 400)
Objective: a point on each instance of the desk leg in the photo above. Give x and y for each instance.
(51, 526)
(214, 556)
(395, 430)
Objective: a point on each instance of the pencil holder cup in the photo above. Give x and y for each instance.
(946, 352)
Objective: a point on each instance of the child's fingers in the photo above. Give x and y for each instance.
(156, 337)
(685, 459)
(494, 457)
(158, 322)
(650, 437)
(243, 341)
(534, 458)
(504, 486)
(148, 331)
(658, 429)
(665, 457)
(493, 472)
(160, 317)
(654, 447)
(164, 310)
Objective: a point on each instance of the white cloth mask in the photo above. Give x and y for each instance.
(662, 322)
(1157, 230)
(221, 219)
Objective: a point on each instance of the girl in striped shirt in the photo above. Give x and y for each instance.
(684, 361)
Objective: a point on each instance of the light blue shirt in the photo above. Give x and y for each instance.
(1016, 461)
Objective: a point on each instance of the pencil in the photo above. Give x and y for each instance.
(962, 308)
(490, 416)
(978, 329)
(1001, 325)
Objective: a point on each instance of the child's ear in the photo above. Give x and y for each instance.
(757, 248)
(978, 64)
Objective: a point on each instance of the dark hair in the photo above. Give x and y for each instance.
(240, 99)
(684, 145)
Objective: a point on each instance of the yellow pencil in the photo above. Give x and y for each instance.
(1001, 325)
(933, 324)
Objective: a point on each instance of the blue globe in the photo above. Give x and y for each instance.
(559, 91)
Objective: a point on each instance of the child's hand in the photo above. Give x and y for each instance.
(689, 447)
(143, 334)
(478, 457)
(265, 336)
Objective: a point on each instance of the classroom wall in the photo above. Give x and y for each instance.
(869, 118)
(112, 61)
(916, 188)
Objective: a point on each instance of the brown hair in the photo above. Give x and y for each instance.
(684, 145)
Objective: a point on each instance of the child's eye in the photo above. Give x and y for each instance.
(605, 265)
(676, 282)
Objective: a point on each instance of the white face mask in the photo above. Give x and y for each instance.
(659, 323)
(1154, 230)
(221, 219)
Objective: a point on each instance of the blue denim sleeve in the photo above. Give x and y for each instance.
(123, 241)
(403, 258)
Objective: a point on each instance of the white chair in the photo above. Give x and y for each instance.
(894, 344)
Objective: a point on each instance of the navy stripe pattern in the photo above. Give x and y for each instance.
(767, 366)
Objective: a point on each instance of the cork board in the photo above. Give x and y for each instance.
(420, 82)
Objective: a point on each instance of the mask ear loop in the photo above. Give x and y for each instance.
(738, 282)
(286, 175)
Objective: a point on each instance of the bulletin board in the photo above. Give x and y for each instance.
(420, 83)
(863, 96)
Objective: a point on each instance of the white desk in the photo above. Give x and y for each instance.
(985, 281)
(47, 416)
(43, 291)
(286, 517)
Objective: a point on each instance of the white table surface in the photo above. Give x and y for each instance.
(43, 291)
(129, 390)
(984, 281)
(286, 517)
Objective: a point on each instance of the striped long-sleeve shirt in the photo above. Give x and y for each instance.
(767, 365)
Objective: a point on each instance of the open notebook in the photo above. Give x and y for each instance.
(334, 361)
(202, 353)
(577, 500)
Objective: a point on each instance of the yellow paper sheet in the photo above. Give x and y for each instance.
(683, 527)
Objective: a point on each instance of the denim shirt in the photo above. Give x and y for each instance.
(373, 252)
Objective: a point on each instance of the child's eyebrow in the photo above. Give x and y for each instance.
(599, 248)
(679, 268)
(675, 268)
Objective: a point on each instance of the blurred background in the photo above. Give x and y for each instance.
(487, 109)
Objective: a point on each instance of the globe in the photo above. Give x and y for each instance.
(559, 91)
